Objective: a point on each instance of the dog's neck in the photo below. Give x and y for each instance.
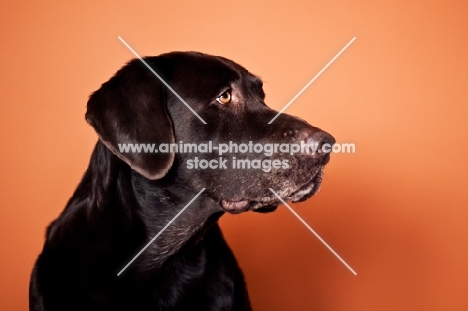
(158, 204)
(141, 208)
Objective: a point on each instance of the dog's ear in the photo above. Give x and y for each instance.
(131, 109)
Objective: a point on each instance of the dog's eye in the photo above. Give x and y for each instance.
(224, 98)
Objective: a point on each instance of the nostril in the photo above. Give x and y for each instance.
(327, 139)
(321, 138)
(322, 141)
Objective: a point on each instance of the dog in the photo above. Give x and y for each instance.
(126, 198)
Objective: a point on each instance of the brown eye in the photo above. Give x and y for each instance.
(224, 98)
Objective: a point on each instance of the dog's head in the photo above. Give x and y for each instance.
(237, 155)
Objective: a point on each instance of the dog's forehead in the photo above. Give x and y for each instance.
(209, 66)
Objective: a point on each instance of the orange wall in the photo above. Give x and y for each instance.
(396, 210)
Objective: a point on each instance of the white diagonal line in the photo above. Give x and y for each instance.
(162, 230)
(312, 230)
(161, 79)
(310, 82)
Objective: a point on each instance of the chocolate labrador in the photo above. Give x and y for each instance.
(127, 196)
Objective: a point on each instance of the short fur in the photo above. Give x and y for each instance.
(125, 199)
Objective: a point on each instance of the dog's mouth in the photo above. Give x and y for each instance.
(309, 189)
(269, 204)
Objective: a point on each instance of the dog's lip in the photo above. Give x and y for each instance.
(266, 205)
(309, 189)
(235, 207)
(239, 206)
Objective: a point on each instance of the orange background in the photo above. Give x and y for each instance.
(396, 210)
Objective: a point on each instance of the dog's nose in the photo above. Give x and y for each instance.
(321, 138)
(321, 143)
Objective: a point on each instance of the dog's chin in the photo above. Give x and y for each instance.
(266, 209)
(268, 205)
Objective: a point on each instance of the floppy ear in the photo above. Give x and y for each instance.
(130, 108)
